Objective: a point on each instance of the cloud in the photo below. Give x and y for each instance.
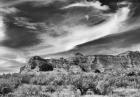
(36, 29)
(11, 60)
(8, 66)
(95, 4)
(7, 3)
(2, 29)
(81, 33)
(111, 44)
(67, 26)
(16, 36)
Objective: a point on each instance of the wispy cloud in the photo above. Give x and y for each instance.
(95, 4)
(36, 28)
(8, 66)
(81, 33)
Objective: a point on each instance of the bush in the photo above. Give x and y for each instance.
(31, 91)
(84, 82)
(121, 78)
(26, 78)
(8, 85)
(51, 78)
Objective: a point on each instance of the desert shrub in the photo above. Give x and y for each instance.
(25, 78)
(84, 82)
(8, 85)
(31, 91)
(50, 88)
(105, 87)
(40, 79)
(63, 63)
(9, 82)
(111, 80)
(65, 92)
(74, 69)
(8, 95)
(123, 78)
(50, 78)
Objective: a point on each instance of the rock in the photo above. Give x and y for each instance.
(36, 63)
(78, 63)
(124, 60)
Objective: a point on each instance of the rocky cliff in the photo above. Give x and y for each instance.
(126, 59)
(97, 63)
(36, 64)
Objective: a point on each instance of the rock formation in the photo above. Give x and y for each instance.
(96, 63)
(36, 64)
(125, 60)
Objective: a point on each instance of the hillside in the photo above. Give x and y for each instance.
(77, 76)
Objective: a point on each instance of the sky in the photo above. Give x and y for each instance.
(51, 28)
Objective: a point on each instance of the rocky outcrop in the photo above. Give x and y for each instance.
(99, 63)
(36, 64)
(125, 60)
(96, 63)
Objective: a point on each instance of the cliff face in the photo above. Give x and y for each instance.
(95, 62)
(36, 64)
(127, 59)
(124, 60)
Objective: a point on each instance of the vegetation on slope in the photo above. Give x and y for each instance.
(71, 78)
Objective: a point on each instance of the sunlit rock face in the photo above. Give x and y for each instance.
(61, 27)
(36, 64)
(94, 63)
(124, 60)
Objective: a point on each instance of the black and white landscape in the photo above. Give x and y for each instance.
(62, 27)
(105, 33)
